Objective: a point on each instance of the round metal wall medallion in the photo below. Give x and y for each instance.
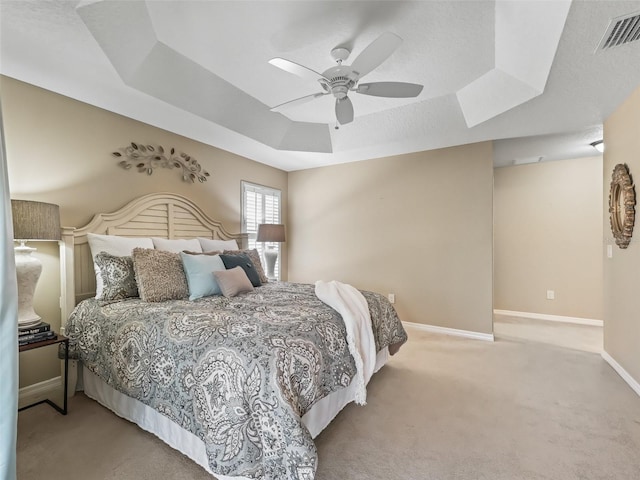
(622, 201)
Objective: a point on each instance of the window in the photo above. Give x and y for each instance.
(260, 205)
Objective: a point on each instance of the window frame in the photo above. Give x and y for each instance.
(265, 191)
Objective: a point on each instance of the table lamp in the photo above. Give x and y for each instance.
(270, 233)
(31, 221)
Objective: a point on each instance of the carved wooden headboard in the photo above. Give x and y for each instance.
(165, 215)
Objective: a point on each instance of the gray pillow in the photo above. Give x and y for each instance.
(118, 277)
(254, 256)
(233, 281)
(242, 260)
(159, 275)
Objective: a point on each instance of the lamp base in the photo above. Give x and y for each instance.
(270, 257)
(28, 270)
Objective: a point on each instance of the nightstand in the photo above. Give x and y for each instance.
(58, 339)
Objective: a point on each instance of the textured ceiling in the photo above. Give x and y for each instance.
(526, 74)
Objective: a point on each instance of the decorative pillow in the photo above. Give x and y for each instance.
(118, 277)
(233, 281)
(159, 275)
(212, 252)
(199, 271)
(253, 254)
(176, 246)
(115, 245)
(208, 245)
(242, 260)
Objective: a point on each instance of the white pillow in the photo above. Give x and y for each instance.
(209, 245)
(118, 246)
(177, 246)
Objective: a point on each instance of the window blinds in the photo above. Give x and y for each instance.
(260, 205)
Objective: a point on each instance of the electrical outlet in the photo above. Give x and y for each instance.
(392, 298)
(609, 251)
(551, 295)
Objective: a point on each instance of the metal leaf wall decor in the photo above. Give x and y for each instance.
(146, 158)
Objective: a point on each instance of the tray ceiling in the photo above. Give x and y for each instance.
(526, 74)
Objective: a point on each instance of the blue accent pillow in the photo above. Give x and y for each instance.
(242, 260)
(199, 272)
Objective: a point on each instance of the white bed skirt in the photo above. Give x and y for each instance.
(186, 442)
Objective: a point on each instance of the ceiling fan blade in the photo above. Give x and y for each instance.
(344, 111)
(296, 69)
(376, 53)
(297, 101)
(390, 89)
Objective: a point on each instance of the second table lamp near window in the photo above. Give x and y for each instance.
(270, 233)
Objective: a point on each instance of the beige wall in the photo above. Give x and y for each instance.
(547, 236)
(417, 225)
(59, 151)
(622, 272)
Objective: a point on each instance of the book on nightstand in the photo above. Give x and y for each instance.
(36, 333)
(36, 337)
(38, 328)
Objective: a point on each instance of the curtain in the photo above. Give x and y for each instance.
(8, 327)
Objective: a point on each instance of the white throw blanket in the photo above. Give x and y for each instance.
(352, 305)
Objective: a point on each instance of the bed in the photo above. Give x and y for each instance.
(240, 384)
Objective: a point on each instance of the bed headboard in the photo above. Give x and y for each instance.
(165, 215)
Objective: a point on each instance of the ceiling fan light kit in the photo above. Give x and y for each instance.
(341, 79)
(340, 54)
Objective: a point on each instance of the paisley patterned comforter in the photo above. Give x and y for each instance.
(239, 373)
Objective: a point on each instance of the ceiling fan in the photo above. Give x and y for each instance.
(342, 79)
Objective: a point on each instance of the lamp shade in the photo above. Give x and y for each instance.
(270, 232)
(35, 220)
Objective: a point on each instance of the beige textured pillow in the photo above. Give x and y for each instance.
(159, 275)
(254, 256)
(233, 281)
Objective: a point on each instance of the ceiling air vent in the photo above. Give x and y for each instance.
(621, 30)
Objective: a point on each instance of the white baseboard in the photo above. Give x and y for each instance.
(552, 318)
(39, 391)
(621, 371)
(451, 331)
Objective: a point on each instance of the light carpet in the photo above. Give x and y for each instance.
(588, 338)
(443, 408)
